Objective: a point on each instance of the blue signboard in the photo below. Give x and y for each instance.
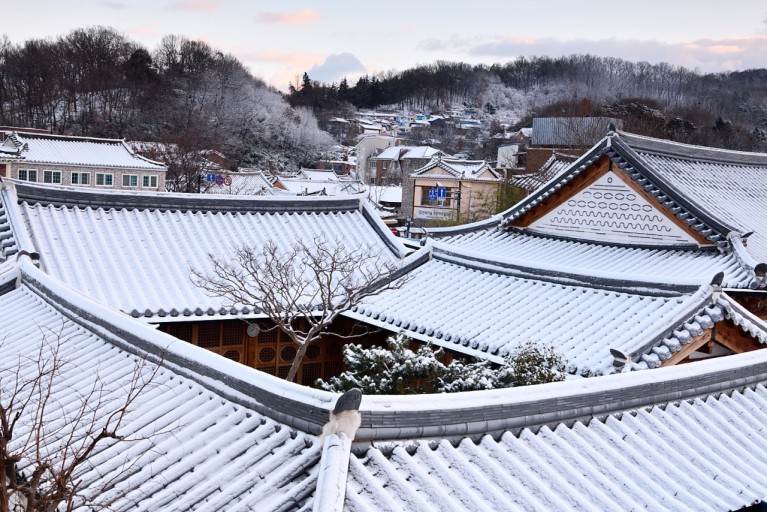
(442, 192)
(210, 177)
(432, 194)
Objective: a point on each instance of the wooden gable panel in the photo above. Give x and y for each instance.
(602, 204)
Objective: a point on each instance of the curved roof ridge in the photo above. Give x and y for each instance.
(690, 151)
(634, 165)
(118, 199)
(301, 407)
(35, 135)
(570, 276)
(464, 414)
(14, 226)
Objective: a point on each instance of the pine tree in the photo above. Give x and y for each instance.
(398, 370)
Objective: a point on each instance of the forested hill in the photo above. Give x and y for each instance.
(723, 109)
(97, 82)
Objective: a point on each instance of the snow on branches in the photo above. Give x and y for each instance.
(399, 370)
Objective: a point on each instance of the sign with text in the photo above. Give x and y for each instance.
(434, 213)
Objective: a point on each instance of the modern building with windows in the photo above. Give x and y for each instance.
(77, 161)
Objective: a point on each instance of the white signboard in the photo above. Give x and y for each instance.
(434, 213)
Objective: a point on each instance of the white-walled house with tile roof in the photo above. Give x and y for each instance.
(78, 161)
(449, 189)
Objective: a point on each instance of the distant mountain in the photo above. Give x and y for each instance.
(661, 100)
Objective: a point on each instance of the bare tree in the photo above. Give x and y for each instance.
(50, 430)
(307, 282)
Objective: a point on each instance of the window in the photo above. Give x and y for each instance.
(104, 179)
(149, 181)
(130, 180)
(430, 196)
(51, 176)
(27, 174)
(81, 178)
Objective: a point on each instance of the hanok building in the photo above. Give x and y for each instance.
(641, 212)
(392, 166)
(530, 182)
(135, 254)
(209, 434)
(447, 189)
(78, 161)
(661, 262)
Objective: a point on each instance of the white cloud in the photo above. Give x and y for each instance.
(335, 67)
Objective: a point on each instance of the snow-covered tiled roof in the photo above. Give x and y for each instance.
(727, 186)
(300, 186)
(318, 174)
(192, 441)
(66, 150)
(385, 194)
(470, 304)
(554, 165)
(232, 438)
(406, 152)
(456, 168)
(586, 257)
(7, 241)
(704, 454)
(117, 247)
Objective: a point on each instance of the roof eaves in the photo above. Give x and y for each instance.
(388, 238)
(758, 270)
(460, 415)
(694, 311)
(16, 227)
(303, 408)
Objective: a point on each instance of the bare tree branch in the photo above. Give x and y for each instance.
(50, 429)
(302, 289)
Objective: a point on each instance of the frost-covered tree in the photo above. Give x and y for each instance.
(399, 370)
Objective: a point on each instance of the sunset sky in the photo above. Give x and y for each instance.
(278, 41)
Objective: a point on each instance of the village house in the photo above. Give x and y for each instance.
(365, 148)
(78, 161)
(450, 190)
(392, 166)
(566, 135)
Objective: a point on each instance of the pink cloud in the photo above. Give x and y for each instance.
(197, 5)
(707, 55)
(149, 30)
(289, 17)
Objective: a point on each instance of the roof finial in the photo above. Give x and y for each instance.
(611, 128)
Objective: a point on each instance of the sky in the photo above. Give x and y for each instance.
(280, 40)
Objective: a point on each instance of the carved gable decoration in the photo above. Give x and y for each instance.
(609, 210)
